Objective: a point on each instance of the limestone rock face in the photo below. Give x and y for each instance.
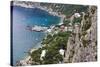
(82, 45)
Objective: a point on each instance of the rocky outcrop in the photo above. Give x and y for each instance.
(82, 45)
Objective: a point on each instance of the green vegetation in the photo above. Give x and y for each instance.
(57, 41)
(52, 45)
(87, 23)
(47, 40)
(71, 9)
(52, 56)
(84, 33)
(77, 20)
(36, 55)
(85, 42)
(66, 22)
(66, 9)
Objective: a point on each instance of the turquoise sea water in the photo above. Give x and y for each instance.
(24, 40)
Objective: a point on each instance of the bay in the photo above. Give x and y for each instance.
(24, 40)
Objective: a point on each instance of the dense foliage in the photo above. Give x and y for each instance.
(52, 45)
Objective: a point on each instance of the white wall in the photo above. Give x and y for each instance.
(5, 32)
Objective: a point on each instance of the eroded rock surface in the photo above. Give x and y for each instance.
(82, 45)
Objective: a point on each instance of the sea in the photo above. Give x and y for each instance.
(22, 39)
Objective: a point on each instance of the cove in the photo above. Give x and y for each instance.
(24, 40)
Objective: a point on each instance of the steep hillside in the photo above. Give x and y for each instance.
(82, 45)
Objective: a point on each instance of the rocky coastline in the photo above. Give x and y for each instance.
(81, 45)
(28, 60)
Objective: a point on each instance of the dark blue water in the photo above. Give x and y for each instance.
(24, 40)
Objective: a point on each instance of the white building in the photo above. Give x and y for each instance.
(42, 54)
(77, 15)
(66, 28)
(61, 51)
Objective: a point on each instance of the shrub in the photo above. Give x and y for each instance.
(84, 33)
(77, 20)
(36, 55)
(85, 42)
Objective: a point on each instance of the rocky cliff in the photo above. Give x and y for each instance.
(82, 44)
